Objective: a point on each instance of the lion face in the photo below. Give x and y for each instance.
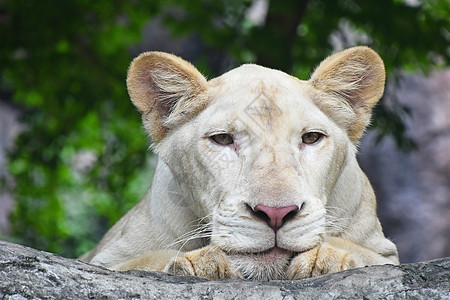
(263, 159)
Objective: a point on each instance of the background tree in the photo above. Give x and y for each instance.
(63, 64)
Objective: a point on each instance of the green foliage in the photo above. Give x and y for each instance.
(65, 62)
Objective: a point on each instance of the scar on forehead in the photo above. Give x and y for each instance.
(263, 109)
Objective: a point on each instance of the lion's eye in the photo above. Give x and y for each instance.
(311, 137)
(222, 139)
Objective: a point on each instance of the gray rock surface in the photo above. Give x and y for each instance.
(27, 273)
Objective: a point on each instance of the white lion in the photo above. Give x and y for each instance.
(257, 174)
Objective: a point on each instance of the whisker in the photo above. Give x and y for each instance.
(197, 233)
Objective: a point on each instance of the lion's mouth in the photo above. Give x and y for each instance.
(271, 255)
(275, 252)
(264, 265)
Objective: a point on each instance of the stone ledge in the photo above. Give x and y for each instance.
(26, 273)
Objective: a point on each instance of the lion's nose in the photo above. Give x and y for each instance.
(275, 216)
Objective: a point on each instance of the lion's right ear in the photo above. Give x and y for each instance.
(353, 82)
(166, 89)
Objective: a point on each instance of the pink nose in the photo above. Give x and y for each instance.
(274, 216)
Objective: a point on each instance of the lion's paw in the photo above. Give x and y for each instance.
(208, 262)
(321, 260)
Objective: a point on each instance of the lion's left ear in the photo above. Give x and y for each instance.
(167, 90)
(350, 83)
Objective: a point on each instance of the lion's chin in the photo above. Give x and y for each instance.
(266, 265)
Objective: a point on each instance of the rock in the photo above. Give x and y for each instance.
(27, 273)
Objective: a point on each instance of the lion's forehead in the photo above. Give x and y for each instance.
(258, 98)
(262, 84)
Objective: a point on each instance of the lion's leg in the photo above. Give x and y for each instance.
(207, 262)
(155, 260)
(333, 255)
